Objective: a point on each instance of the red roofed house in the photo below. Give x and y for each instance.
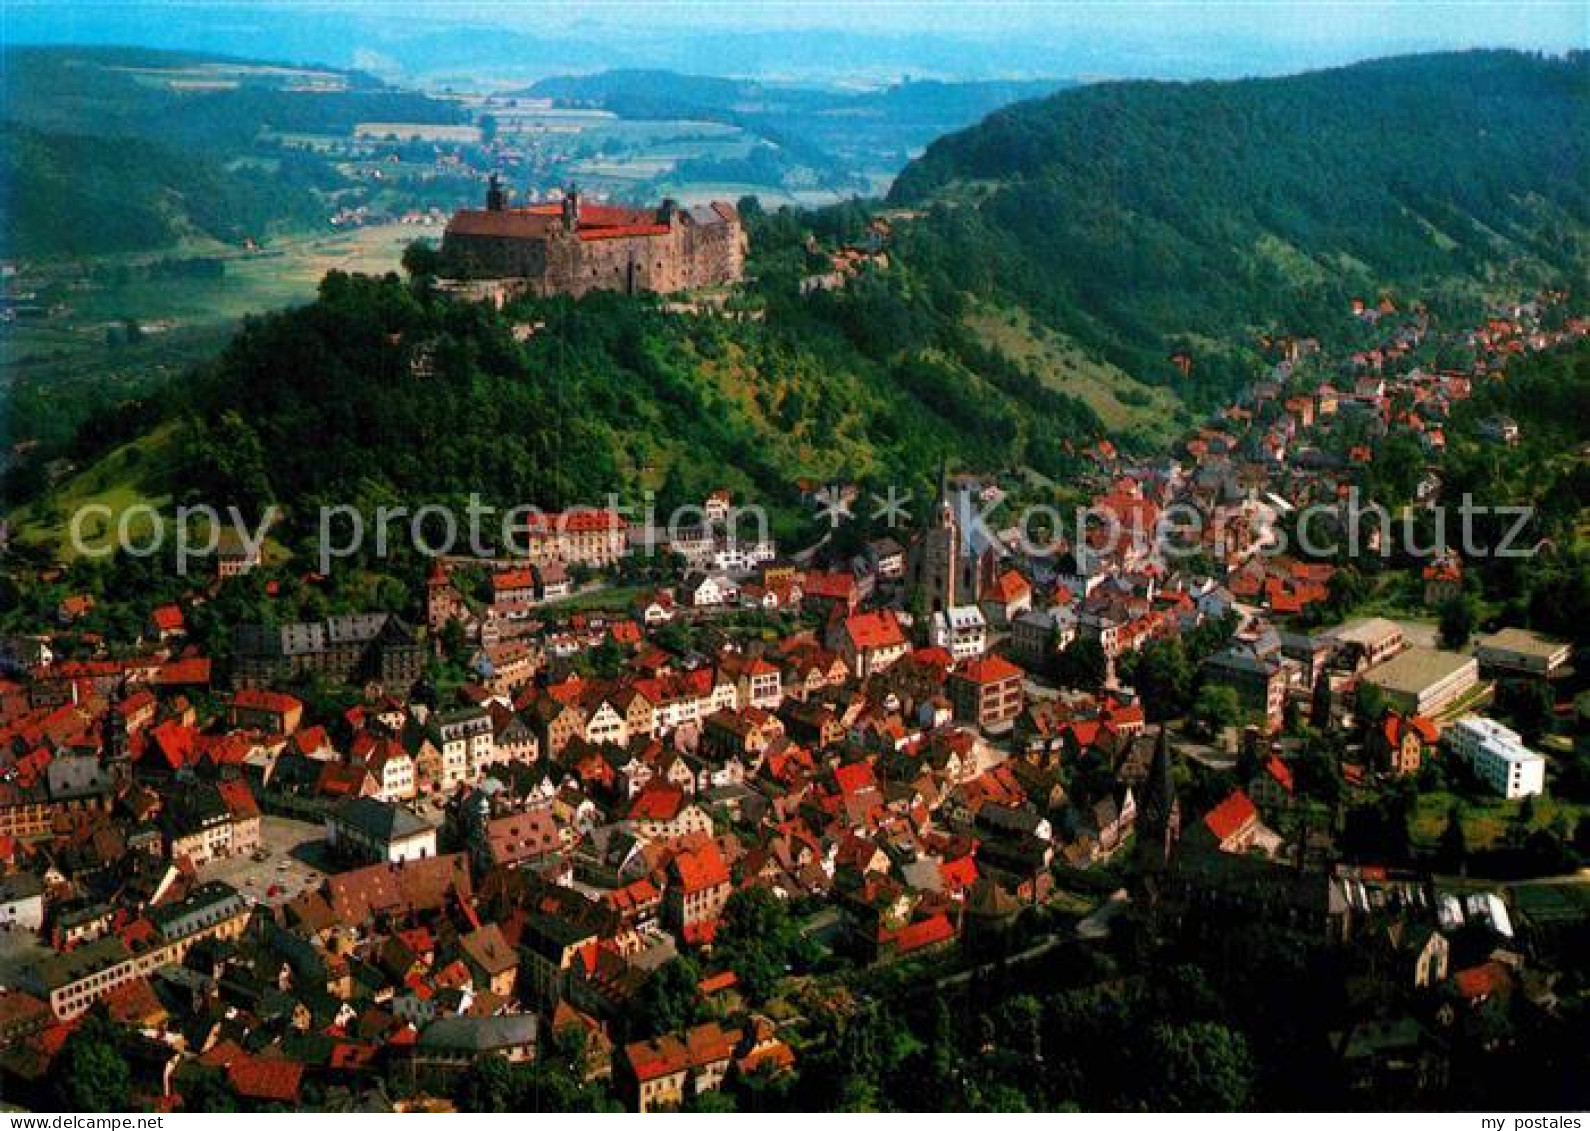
(987, 692)
(1230, 826)
(698, 887)
(1443, 580)
(662, 811)
(272, 711)
(869, 642)
(916, 938)
(1400, 742)
(166, 623)
(662, 1070)
(513, 588)
(826, 593)
(1006, 598)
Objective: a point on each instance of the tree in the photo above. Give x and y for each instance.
(1202, 1066)
(757, 939)
(670, 1000)
(1163, 677)
(1529, 703)
(1216, 708)
(1082, 663)
(421, 260)
(1454, 842)
(1458, 618)
(95, 1075)
(1347, 589)
(1370, 704)
(488, 1085)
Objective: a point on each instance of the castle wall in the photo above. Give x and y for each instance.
(686, 256)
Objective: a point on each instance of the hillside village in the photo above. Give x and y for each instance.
(642, 835)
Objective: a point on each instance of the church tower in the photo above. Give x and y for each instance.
(1159, 813)
(933, 568)
(115, 743)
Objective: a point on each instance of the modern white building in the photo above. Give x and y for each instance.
(1498, 756)
(962, 631)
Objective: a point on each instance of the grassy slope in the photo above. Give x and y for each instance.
(131, 475)
(1123, 403)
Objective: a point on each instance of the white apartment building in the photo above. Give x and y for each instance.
(1498, 756)
(962, 631)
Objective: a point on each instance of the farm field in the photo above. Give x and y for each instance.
(285, 272)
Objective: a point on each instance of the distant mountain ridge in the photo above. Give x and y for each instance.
(846, 136)
(1144, 218)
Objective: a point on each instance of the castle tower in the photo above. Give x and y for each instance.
(571, 209)
(496, 196)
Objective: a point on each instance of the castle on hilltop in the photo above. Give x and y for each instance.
(572, 247)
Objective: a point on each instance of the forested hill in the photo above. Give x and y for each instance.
(1147, 217)
(380, 390)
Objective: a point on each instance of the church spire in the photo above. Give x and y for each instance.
(1160, 813)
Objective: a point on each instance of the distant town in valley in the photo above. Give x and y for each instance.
(1036, 593)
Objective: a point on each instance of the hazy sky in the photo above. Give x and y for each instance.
(1561, 23)
(1171, 36)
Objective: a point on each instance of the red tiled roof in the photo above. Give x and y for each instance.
(258, 699)
(192, 670)
(853, 777)
(627, 231)
(988, 669)
(877, 629)
(508, 580)
(717, 983)
(924, 933)
(575, 521)
(1483, 980)
(1229, 817)
(263, 1078)
(701, 868)
(239, 799)
(1009, 586)
(958, 875)
(658, 800)
(831, 585)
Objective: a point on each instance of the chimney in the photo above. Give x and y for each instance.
(571, 209)
(496, 199)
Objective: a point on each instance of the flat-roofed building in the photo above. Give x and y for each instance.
(1519, 652)
(1498, 756)
(1424, 681)
(1368, 641)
